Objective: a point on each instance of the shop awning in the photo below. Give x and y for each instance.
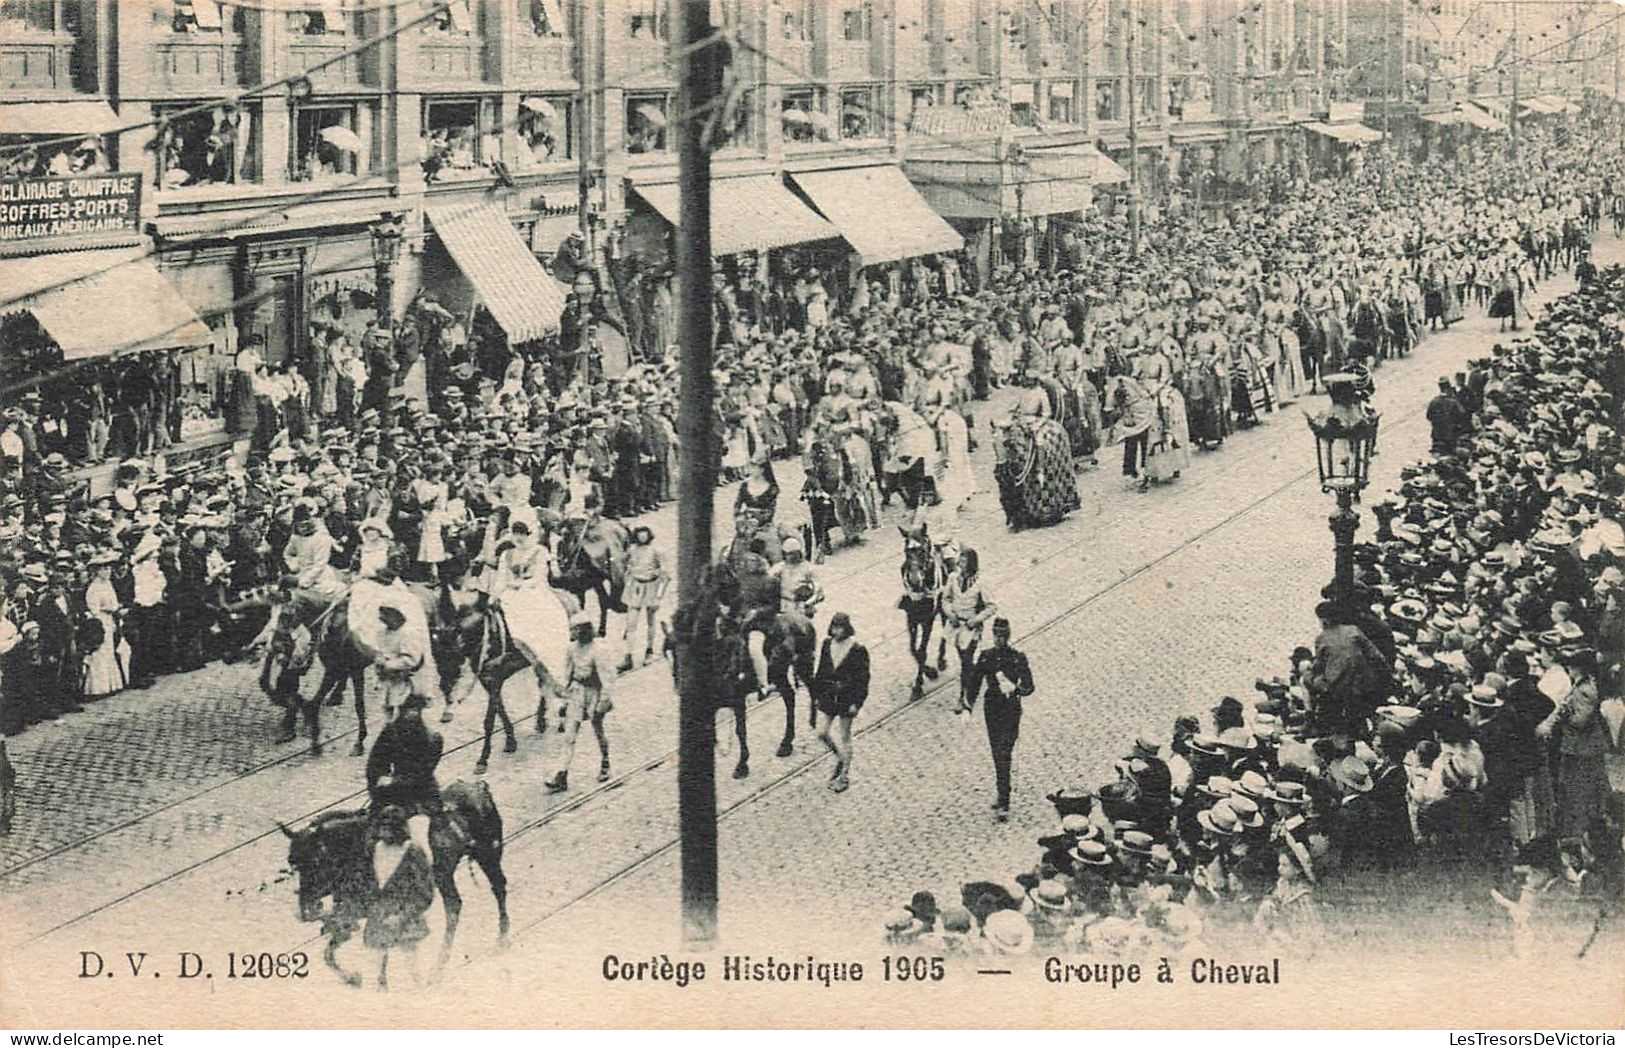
(1180, 136)
(879, 213)
(1354, 134)
(752, 213)
(1476, 117)
(1448, 118)
(100, 303)
(1541, 106)
(1605, 91)
(60, 118)
(1109, 172)
(1558, 104)
(522, 296)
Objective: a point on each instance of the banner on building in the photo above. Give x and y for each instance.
(75, 209)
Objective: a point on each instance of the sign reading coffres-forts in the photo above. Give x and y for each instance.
(75, 208)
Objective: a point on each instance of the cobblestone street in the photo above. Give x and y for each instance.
(1137, 608)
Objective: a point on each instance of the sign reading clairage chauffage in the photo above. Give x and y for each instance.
(79, 207)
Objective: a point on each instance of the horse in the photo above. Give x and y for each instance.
(831, 497)
(591, 558)
(909, 450)
(332, 858)
(922, 580)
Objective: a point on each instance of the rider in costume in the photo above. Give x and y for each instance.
(401, 769)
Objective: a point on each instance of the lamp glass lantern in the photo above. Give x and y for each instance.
(387, 234)
(1345, 437)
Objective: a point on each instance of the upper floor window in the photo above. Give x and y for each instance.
(740, 131)
(922, 97)
(1061, 107)
(803, 116)
(648, 20)
(204, 148)
(454, 136)
(1105, 100)
(546, 18)
(858, 22)
(200, 16)
(646, 122)
(319, 19)
(327, 141)
(21, 157)
(1023, 113)
(454, 18)
(795, 19)
(18, 17)
(862, 113)
(546, 130)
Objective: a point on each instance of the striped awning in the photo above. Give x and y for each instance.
(100, 303)
(523, 297)
(750, 213)
(879, 212)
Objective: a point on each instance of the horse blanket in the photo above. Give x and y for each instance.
(1037, 482)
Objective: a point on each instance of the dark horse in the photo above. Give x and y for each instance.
(332, 857)
(590, 556)
(343, 661)
(831, 497)
(922, 579)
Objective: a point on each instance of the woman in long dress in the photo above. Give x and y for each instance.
(957, 483)
(104, 666)
(432, 496)
(1169, 453)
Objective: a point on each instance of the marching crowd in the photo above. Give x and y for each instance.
(1460, 708)
(426, 459)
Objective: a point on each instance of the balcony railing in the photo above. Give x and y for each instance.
(190, 63)
(448, 59)
(37, 61)
(543, 58)
(311, 52)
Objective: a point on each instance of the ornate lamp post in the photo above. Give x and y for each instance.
(1345, 436)
(387, 234)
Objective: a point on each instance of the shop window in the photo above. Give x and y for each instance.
(862, 115)
(796, 20)
(648, 20)
(454, 132)
(20, 17)
(46, 156)
(546, 18)
(452, 19)
(858, 22)
(327, 142)
(646, 117)
(547, 130)
(202, 149)
(802, 114)
(327, 18)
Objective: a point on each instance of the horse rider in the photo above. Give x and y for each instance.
(799, 590)
(397, 659)
(401, 767)
(307, 557)
(756, 605)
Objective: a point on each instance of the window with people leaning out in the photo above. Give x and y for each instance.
(207, 147)
(646, 123)
(546, 130)
(199, 16)
(862, 115)
(50, 156)
(454, 132)
(328, 18)
(547, 17)
(455, 18)
(327, 142)
(802, 112)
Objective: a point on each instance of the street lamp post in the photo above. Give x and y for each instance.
(1345, 437)
(387, 234)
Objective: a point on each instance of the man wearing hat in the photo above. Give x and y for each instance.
(401, 768)
(1003, 677)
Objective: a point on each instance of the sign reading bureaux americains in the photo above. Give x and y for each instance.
(79, 207)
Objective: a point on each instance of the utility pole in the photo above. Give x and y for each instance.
(700, 92)
(1512, 111)
(1387, 70)
(1133, 138)
(586, 61)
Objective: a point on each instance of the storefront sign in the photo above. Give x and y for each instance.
(80, 207)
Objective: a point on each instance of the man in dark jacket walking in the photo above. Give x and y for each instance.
(1447, 417)
(1002, 676)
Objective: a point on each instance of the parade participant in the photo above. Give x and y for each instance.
(646, 580)
(584, 697)
(403, 873)
(840, 686)
(799, 590)
(398, 658)
(401, 768)
(1003, 677)
(966, 608)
